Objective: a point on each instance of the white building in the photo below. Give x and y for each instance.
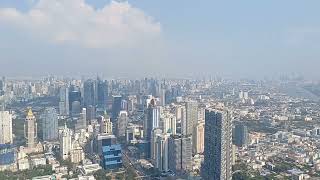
(161, 153)
(5, 127)
(106, 125)
(65, 142)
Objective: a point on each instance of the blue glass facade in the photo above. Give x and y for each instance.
(7, 155)
(144, 149)
(112, 157)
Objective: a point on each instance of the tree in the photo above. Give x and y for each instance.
(100, 174)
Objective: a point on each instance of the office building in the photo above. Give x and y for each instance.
(110, 152)
(124, 105)
(152, 119)
(122, 123)
(116, 106)
(198, 138)
(89, 92)
(102, 92)
(191, 118)
(64, 101)
(162, 95)
(168, 124)
(106, 125)
(5, 127)
(155, 133)
(180, 153)
(76, 109)
(161, 152)
(217, 163)
(82, 121)
(74, 99)
(241, 136)
(65, 139)
(50, 125)
(91, 113)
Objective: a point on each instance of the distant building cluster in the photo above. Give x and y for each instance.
(212, 129)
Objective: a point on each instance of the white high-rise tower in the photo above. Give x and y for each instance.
(65, 142)
(5, 127)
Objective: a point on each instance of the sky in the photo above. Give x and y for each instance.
(164, 38)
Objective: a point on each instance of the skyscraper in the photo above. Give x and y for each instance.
(1, 87)
(152, 119)
(65, 142)
(169, 124)
(162, 95)
(106, 125)
(180, 153)
(30, 128)
(76, 109)
(64, 101)
(122, 123)
(191, 118)
(82, 121)
(89, 92)
(154, 134)
(74, 99)
(217, 163)
(5, 127)
(161, 152)
(116, 106)
(91, 113)
(198, 139)
(102, 92)
(241, 136)
(50, 125)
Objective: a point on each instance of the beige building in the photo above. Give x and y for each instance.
(198, 138)
(30, 129)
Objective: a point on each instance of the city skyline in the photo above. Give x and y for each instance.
(170, 39)
(131, 89)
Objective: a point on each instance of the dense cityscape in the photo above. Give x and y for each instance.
(153, 128)
(159, 90)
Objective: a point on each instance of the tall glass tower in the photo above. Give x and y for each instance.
(50, 125)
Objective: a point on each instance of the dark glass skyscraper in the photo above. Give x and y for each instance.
(217, 163)
(74, 95)
(89, 93)
(152, 120)
(102, 92)
(241, 136)
(116, 106)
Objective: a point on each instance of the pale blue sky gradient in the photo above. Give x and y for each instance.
(244, 38)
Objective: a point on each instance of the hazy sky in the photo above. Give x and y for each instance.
(165, 38)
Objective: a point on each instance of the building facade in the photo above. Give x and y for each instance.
(30, 129)
(65, 142)
(50, 125)
(241, 136)
(217, 163)
(180, 153)
(5, 127)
